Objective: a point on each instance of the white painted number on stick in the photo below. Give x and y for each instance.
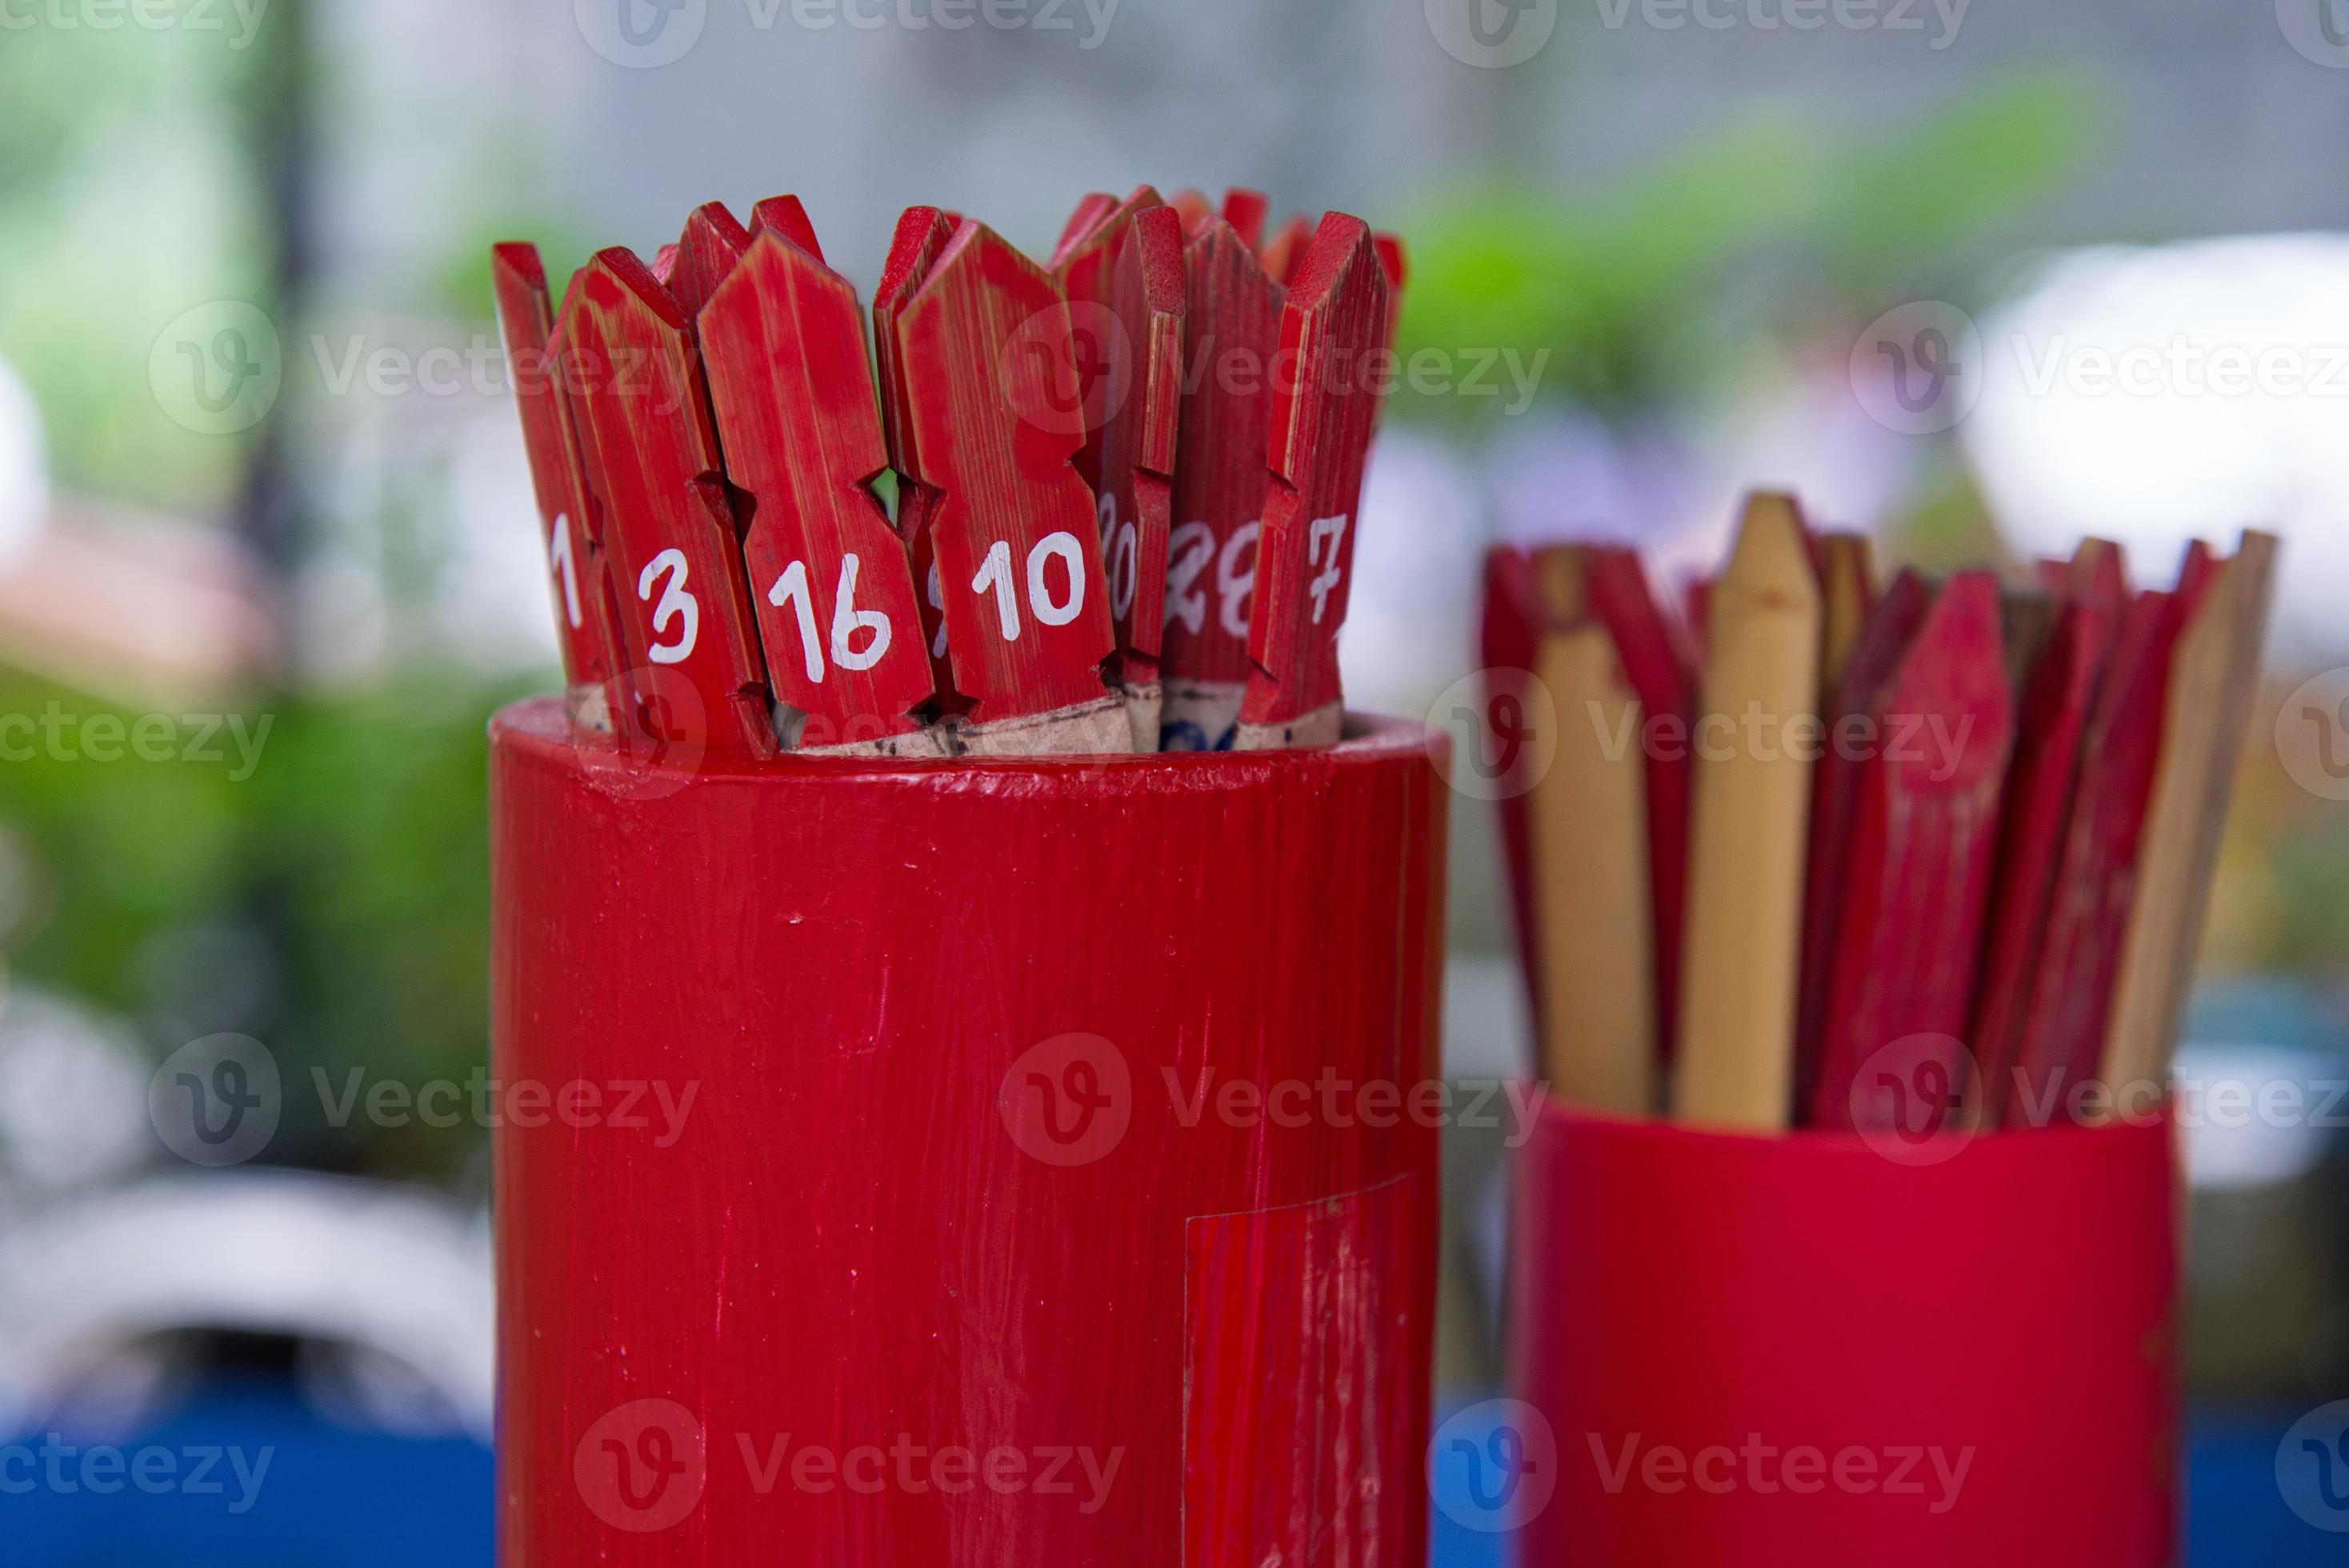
(1331, 530)
(847, 621)
(566, 569)
(995, 574)
(675, 605)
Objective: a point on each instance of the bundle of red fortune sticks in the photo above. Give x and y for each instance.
(1125, 482)
(1921, 857)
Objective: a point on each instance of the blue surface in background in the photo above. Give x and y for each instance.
(338, 1499)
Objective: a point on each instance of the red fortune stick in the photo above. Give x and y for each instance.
(1921, 857)
(1619, 596)
(1232, 333)
(1510, 637)
(655, 476)
(921, 238)
(573, 557)
(1124, 281)
(1855, 704)
(2057, 701)
(1246, 211)
(988, 368)
(783, 339)
(2059, 1042)
(1325, 407)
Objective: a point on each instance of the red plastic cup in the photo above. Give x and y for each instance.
(1833, 1348)
(899, 1164)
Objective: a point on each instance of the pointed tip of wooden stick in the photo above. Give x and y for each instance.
(784, 215)
(713, 241)
(1772, 553)
(1561, 574)
(617, 272)
(1245, 211)
(518, 259)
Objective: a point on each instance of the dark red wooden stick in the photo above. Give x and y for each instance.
(653, 466)
(575, 559)
(1854, 711)
(783, 339)
(2056, 706)
(2060, 1041)
(988, 369)
(1620, 597)
(1232, 334)
(1326, 404)
(921, 237)
(1126, 298)
(1245, 211)
(1510, 637)
(1919, 876)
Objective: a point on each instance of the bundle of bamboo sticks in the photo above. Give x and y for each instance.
(1918, 855)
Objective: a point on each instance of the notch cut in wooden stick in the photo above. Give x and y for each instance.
(988, 364)
(1748, 827)
(1325, 409)
(573, 557)
(2214, 676)
(1588, 836)
(782, 340)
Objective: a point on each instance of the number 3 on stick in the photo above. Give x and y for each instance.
(1325, 407)
(988, 372)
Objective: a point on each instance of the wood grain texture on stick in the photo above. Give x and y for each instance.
(1748, 824)
(2056, 705)
(2059, 1043)
(1588, 838)
(1848, 590)
(669, 531)
(1325, 407)
(1232, 328)
(989, 366)
(1126, 294)
(920, 239)
(782, 340)
(2214, 677)
(1853, 719)
(573, 558)
(1918, 875)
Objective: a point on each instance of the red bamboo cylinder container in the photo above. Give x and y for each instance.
(1018, 1161)
(1838, 1348)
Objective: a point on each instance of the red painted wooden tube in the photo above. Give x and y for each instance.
(1009, 1139)
(1750, 1350)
